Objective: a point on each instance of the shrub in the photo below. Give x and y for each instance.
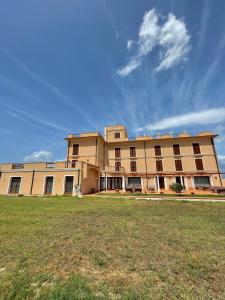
(177, 187)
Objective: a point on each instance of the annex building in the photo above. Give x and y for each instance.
(118, 163)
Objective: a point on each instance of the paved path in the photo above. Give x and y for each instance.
(183, 199)
(158, 198)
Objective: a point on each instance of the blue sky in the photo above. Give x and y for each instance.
(71, 66)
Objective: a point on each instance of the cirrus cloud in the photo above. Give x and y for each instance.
(209, 116)
(172, 38)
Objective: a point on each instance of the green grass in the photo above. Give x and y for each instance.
(96, 248)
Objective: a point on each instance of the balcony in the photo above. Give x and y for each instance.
(114, 169)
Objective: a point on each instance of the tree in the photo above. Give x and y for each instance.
(177, 187)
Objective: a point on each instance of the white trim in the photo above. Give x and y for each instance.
(64, 184)
(193, 182)
(158, 186)
(211, 180)
(185, 183)
(142, 185)
(123, 184)
(165, 183)
(9, 185)
(44, 184)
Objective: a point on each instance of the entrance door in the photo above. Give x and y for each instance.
(48, 185)
(69, 185)
(161, 182)
(114, 183)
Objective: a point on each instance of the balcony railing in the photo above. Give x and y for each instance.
(114, 169)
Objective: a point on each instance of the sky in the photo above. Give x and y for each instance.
(70, 66)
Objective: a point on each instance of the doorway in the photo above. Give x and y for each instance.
(114, 183)
(161, 182)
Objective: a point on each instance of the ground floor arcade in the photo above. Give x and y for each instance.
(157, 183)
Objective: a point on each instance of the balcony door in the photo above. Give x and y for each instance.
(68, 185)
(114, 183)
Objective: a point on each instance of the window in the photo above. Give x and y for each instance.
(199, 164)
(176, 149)
(73, 163)
(15, 185)
(134, 181)
(201, 180)
(159, 166)
(114, 183)
(178, 165)
(158, 151)
(48, 185)
(117, 166)
(196, 148)
(75, 149)
(117, 135)
(117, 152)
(133, 166)
(132, 151)
(68, 185)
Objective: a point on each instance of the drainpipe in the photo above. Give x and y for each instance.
(146, 168)
(96, 149)
(32, 182)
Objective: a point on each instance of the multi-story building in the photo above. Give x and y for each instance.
(116, 162)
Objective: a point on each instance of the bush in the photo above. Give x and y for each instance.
(177, 187)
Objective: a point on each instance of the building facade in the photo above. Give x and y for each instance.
(118, 163)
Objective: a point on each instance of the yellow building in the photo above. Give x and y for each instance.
(117, 163)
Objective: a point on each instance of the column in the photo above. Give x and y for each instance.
(106, 187)
(157, 180)
(123, 184)
(185, 183)
(193, 183)
(165, 181)
(211, 181)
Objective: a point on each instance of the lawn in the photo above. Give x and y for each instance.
(96, 248)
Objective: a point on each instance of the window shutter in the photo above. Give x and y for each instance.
(196, 148)
(117, 152)
(159, 165)
(199, 164)
(132, 152)
(133, 166)
(117, 166)
(176, 149)
(158, 150)
(178, 165)
(75, 149)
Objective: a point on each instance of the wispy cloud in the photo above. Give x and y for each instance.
(65, 99)
(32, 118)
(36, 156)
(209, 116)
(172, 38)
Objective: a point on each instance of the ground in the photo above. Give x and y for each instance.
(96, 248)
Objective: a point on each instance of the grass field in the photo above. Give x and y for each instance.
(66, 248)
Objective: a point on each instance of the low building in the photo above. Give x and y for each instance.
(118, 163)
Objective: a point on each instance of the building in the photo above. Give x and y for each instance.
(118, 163)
